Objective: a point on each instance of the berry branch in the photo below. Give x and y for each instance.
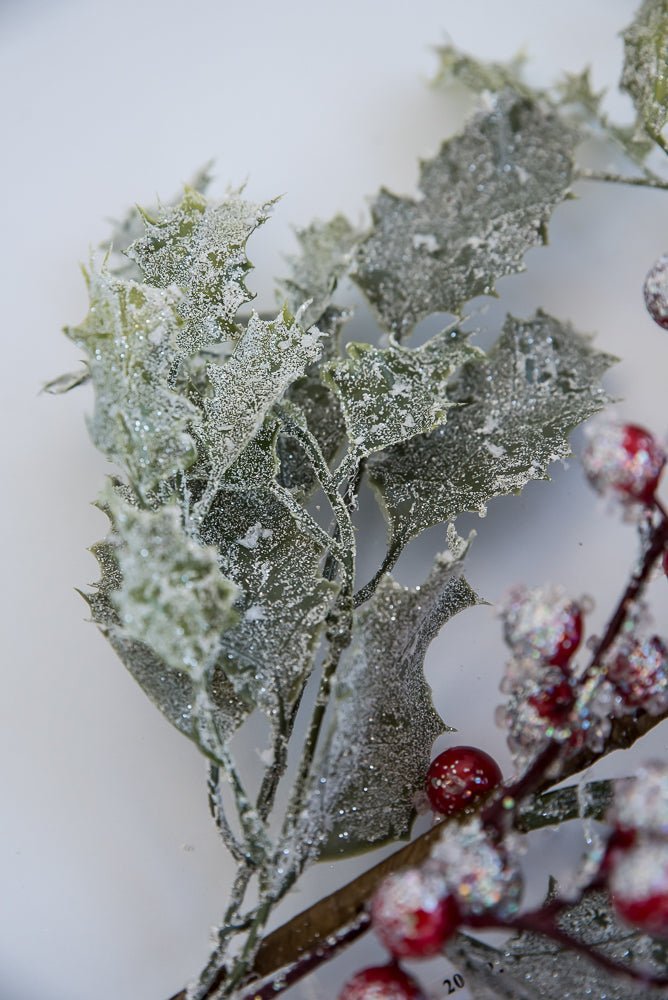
(296, 948)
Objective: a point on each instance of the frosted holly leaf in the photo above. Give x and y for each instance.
(326, 254)
(532, 965)
(390, 395)
(478, 75)
(516, 410)
(132, 226)
(172, 595)
(485, 199)
(138, 422)
(321, 411)
(257, 466)
(268, 358)
(201, 249)
(645, 76)
(172, 691)
(283, 599)
(383, 712)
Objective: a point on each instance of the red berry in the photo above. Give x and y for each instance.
(382, 982)
(624, 458)
(640, 675)
(664, 562)
(620, 840)
(412, 914)
(459, 777)
(554, 703)
(542, 623)
(639, 886)
(650, 914)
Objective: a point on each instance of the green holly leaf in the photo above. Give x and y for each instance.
(267, 360)
(175, 580)
(321, 411)
(383, 711)
(283, 599)
(200, 249)
(326, 254)
(533, 966)
(645, 76)
(390, 395)
(485, 199)
(515, 412)
(139, 422)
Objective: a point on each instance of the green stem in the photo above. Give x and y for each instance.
(648, 181)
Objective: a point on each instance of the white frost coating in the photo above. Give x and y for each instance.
(254, 534)
(426, 241)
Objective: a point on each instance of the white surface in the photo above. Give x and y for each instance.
(111, 871)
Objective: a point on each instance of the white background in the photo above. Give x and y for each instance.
(110, 870)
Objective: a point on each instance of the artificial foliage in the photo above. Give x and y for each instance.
(241, 442)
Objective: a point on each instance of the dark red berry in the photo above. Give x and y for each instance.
(620, 840)
(413, 915)
(664, 562)
(646, 460)
(382, 982)
(649, 914)
(459, 777)
(554, 703)
(624, 459)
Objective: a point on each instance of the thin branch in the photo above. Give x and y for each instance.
(217, 810)
(584, 174)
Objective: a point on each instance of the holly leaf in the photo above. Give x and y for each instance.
(645, 75)
(515, 412)
(132, 227)
(485, 199)
(139, 422)
(150, 644)
(531, 965)
(200, 249)
(321, 411)
(283, 599)
(383, 712)
(268, 358)
(172, 595)
(390, 395)
(478, 75)
(326, 254)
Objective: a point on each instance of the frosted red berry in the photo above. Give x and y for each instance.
(413, 915)
(554, 703)
(542, 624)
(639, 887)
(624, 459)
(655, 291)
(459, 777)
(383, 982)
(639, 674)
